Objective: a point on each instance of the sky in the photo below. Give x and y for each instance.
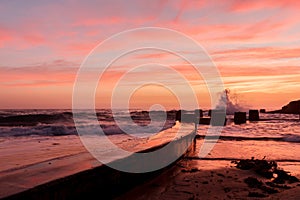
(255, 46)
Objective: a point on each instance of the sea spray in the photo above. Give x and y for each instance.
(231, 101)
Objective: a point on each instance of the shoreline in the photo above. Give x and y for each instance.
(189, 178)
(206, 179)
(215, 177)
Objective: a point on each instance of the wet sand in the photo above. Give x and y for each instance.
(207, 179)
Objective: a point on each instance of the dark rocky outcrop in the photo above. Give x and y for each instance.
(267, 169)
(292, 108)
(276, 177)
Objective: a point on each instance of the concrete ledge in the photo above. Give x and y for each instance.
(101, 182)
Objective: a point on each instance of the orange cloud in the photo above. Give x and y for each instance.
(43, 74)
(110, 20)
(257, 53)
(254, 43)
(153, 55)
(238, 70)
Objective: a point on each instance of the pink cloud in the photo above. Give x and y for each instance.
(42, 74)
(34, 39)
(111, 20)
(5, 36)
(250, 6)
(272, 26)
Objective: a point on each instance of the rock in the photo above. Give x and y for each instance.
(283, 176)
(261, 167)
(268, 190)
(293, 179)
(267, 169)
(245, 164)
(253, 182)
(272, 184)
(257, 194)
(292, 108)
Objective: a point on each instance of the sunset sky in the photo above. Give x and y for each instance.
(254, 44)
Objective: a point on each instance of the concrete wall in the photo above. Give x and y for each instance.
(103, 182)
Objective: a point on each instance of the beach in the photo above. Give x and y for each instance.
(194, 178)
(204, 179)
(49, 163)
(217, 177)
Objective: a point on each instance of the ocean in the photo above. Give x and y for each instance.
(32, 136)
(16, 123)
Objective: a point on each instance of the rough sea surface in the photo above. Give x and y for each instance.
(31, 133)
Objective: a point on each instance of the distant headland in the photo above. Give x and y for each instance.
(292, 107)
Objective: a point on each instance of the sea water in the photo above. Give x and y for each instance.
(30, 136)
